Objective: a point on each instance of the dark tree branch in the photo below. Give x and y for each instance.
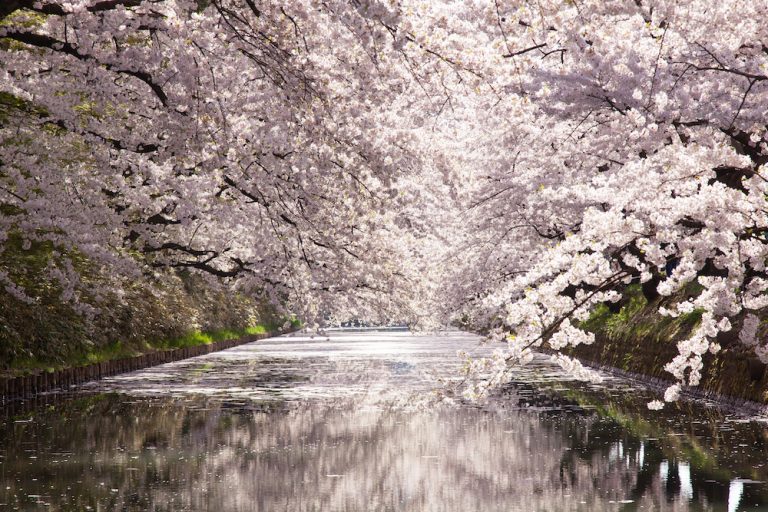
(43, 41)
(8, 7)
(521, 52)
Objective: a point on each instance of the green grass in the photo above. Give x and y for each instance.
(120, 350)
(639, 320)
(195, 338)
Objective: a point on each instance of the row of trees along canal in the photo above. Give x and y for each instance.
(512, 165)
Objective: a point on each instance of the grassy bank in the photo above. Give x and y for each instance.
(121, 350)
(638, 339)
(159, 310)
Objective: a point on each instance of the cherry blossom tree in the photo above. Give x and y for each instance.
(626, 145)
(226, 137)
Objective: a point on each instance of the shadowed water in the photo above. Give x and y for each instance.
(349, 424)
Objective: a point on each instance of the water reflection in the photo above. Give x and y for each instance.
(325, 442)
(371, 367)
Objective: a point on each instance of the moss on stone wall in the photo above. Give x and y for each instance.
(640, 340)
(151, 311)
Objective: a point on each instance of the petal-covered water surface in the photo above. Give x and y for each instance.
(350, 422)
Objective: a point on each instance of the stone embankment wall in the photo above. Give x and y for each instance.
(635, 339)
(31, 385)
(733, 376)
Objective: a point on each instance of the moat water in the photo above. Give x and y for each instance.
(350, 422)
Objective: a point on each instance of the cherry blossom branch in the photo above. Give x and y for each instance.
(50, 43)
